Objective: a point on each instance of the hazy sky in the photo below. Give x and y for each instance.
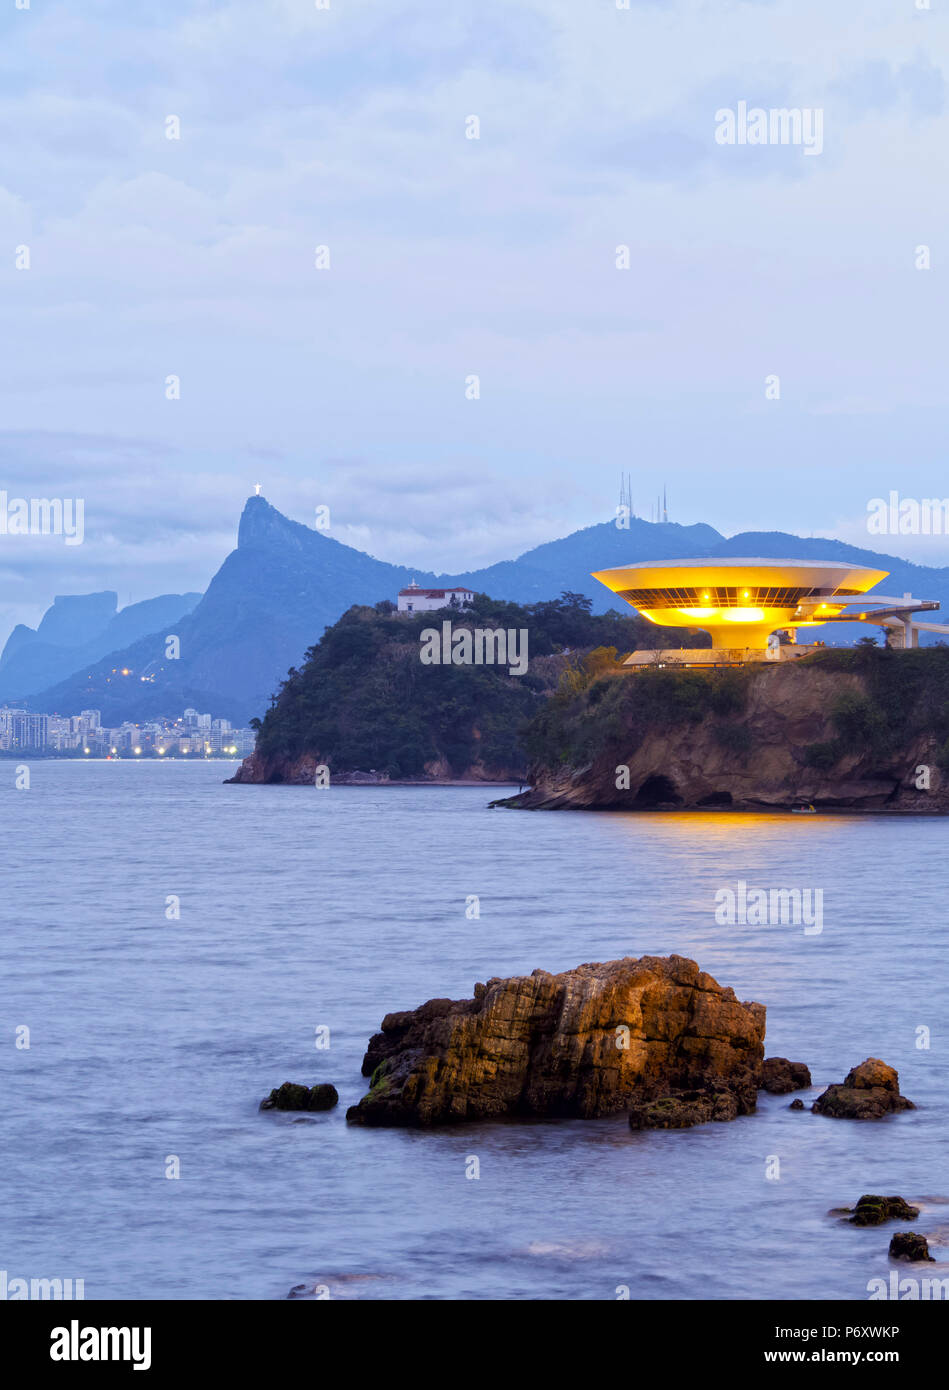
(346, 127)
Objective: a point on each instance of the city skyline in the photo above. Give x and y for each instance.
(30, 731)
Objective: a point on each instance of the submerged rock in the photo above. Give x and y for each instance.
(796, 1105)
(292, 1097)
(868, 1092)
(684, 1109)
(909, 1245)
(779, 1076)
(590, 1041)
(872, 1210)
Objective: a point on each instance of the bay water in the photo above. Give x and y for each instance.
(154, 1036)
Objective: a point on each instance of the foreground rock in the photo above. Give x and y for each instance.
(872, 1210)
(293, 1097)
(868, 1092)
(779, 1076)
(908, 1245)
(591, 1041)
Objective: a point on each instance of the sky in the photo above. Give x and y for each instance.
(349, 385)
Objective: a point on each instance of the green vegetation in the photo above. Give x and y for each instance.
(380, 1082)
(364, 700)
(735, 738)
(904, 693)
(595, 708)
(594, 711)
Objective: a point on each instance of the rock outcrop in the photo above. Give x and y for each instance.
(293, 1097)
(867, 1093)
(592, 1041)
(669, 740)
(908, 1245)
(680, 1109)
(779, 1076)
(872, 1210)
(683, 1109)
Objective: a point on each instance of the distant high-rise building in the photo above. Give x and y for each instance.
(20, 729)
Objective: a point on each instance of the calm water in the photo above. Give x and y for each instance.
(301, 908)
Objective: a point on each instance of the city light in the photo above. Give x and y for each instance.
(85, 733)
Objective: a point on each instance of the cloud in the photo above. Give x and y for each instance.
(917, 85)
(451, 257)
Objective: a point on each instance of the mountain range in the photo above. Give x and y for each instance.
(77, 631)
(285, 582)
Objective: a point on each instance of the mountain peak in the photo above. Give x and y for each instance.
(262, 524)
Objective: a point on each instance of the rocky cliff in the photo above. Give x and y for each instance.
(587, 1042)
(859, 729)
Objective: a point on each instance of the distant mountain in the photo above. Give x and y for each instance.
(285, 583)
(548, 569)
(76, 631)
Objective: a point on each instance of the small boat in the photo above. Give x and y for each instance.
(803, 810)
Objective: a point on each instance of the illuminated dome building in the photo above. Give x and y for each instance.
(741, 602)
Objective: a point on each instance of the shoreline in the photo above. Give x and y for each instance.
(508, 804)
(364, 785)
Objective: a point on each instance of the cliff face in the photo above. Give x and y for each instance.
(588, 1042)
(851, 731)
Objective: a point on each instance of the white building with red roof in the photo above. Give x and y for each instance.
(417, 600)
